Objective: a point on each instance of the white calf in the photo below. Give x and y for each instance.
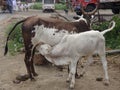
(73, 47)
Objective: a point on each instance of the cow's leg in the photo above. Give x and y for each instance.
(89, 61)
(70, 75)
(27, 63)
(31, 63)
(102, 54)
(73, 71)
(104, 63)
(76, 74)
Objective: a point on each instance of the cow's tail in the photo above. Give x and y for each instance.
(6, 45)
(109, 29)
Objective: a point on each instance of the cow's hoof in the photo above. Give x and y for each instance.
(81, 75)
(106, 83)
(35, 74)
(77, 76)
(16, 81)
(68, 81)
(71, 87)
(33, 79)
(22, 77)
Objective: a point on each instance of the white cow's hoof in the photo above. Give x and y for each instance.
(106, 83)
(68, 81)
(71, 86)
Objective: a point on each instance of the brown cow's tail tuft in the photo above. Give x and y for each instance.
(6, 45)
(6, 49)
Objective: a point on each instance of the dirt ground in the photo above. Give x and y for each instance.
(50, 78)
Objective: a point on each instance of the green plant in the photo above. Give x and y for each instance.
(112, 37)
(37, 6)
(15, 41)
(60, 6)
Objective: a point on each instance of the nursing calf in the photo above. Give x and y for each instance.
(50, 31)
(73, 47)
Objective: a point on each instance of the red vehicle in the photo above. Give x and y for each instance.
(88, 5)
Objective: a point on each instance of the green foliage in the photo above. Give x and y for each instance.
(15, 41)
(101, 26)
(60, 6)
(37, 6)
(112, 37)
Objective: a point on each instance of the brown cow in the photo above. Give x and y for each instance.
(50, 31)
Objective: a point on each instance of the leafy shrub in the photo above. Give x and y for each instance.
(112, 37)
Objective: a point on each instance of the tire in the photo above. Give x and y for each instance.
(79, 13)
(90, 8)
(115, 11)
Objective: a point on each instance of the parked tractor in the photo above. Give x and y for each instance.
(87, 5)
(90, 5)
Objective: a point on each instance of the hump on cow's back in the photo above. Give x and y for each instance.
(31, 21)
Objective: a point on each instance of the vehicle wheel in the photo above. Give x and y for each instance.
(90, 8)
(115, 11)
(43, 11)
(78, 12)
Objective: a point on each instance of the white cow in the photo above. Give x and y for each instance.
(73, 47)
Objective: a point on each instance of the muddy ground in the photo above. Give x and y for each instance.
(50, 78)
